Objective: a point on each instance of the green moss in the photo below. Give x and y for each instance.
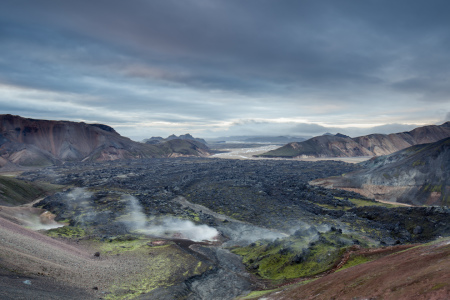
(293, 257)
(15, 192)
(436, 188)
(432, 188)
(356, 260)
(192, 215)
(164, 266)
(328, 206)
(120, 246)
(418, 163)
(257, 294)
(361, 202)
(439, 286)
(67, 232)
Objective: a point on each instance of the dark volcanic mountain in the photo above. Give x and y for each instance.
(157, 139)
(368, 145)
(31, 142)
(417, 175)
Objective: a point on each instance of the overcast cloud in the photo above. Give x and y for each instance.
(229, 67)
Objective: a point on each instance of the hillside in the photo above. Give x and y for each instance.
(16, 192)
(417, 273)
(30, 142)
(418, 175)
(369, 145)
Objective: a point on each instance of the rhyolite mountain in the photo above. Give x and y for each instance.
(340, 145)
(31, 142)
(418, 175)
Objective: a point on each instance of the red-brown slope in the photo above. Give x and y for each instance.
(65, 140)
(41, 142)
(419, 273)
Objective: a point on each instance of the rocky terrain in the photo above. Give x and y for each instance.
(418, 175)
(30, 142)
(196, 228)
(369, 145)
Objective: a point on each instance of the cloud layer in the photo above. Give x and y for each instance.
(210, 67)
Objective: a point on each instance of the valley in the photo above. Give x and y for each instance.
(232, 226)
(224, 150)
(87, 213)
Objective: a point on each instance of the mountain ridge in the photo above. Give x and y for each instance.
(32, 142)
(157, 139)
(367, 145)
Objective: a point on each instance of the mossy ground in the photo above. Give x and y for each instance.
(15, 192)
(357, 260)
(357, 203)
(67, 232)
(159, 266)
(361, 202)
(256, 294)
(294, 256)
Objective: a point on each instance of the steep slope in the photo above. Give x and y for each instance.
(417, 175)
(15, 192)
(368, 145)
(418, 273)
(30, 142)
(35, 266)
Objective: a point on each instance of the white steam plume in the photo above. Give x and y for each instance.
(167, 227)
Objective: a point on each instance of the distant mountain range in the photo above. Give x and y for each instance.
(418, 175)
(31, 142)
(157, 139)
(340, 145)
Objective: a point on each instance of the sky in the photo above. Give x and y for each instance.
(228, 67)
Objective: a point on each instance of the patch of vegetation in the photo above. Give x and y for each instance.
(439, 286)
(357, 202)
(163, 266)
(418, 163)
(433, 188)
(295, 256)
(356, 260)
(362, 202)
(67, 232)
(257, 294)
(16, 192)
(125, 244)
(329, 206)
